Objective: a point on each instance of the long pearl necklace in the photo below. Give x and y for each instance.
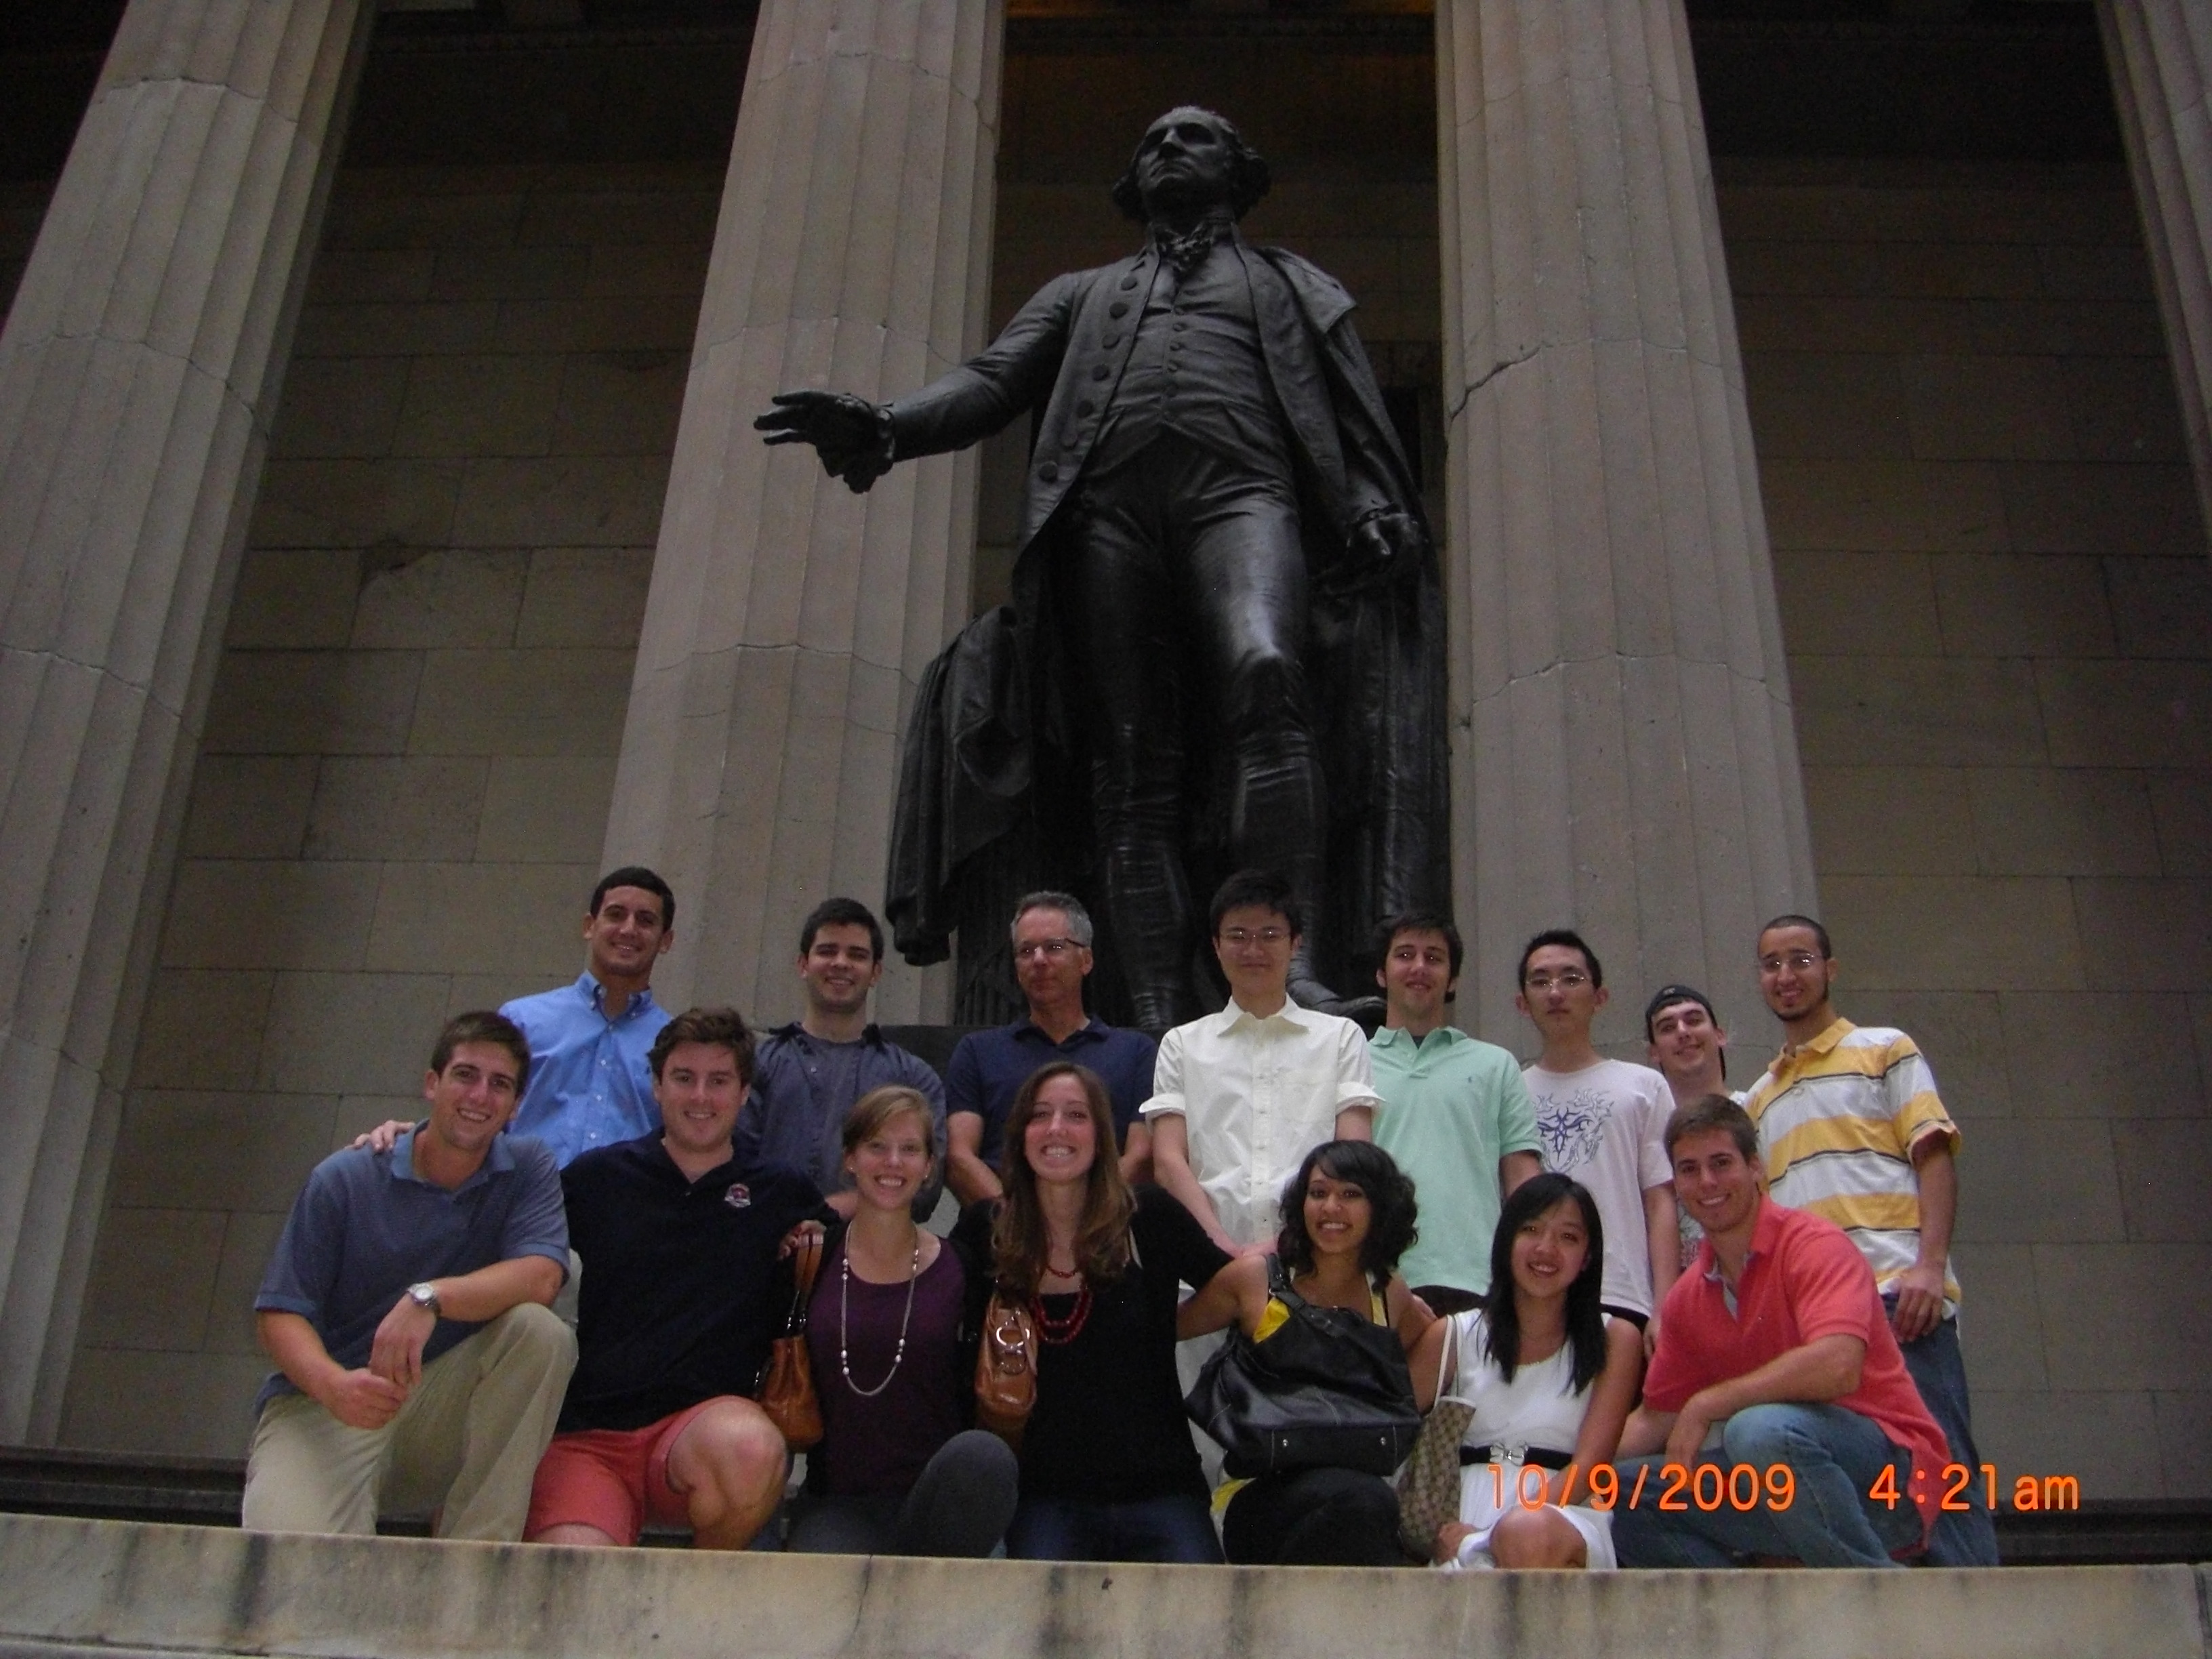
(844, 1318)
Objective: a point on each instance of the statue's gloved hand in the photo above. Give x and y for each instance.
(1386, 546)
(852, 435)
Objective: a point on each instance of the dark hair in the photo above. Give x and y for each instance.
(1665, 997)
(1501, 1315)
(1819, 933)
(1248, 177)
(841, 913)
(1419, 921)
(1568, 939)
(1390, 1197)
(1709, 1112)
(636, 875)
(724, 1028)
(1261, 887)
(1019, 1238)
(1078, 919)
(483, 1025)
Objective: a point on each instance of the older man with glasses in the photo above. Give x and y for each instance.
(1051, 937)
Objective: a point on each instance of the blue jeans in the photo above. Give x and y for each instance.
(1968, 1537)
(1830, 1521)
(1177, 1527)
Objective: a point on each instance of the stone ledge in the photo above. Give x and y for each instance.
(69, 1585)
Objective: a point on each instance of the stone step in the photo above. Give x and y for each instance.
(70, 1587)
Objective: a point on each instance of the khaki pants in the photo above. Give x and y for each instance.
(468, 1438)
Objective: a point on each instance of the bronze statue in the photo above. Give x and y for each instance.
(1225, 647)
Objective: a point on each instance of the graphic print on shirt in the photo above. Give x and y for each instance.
(1572, 1127)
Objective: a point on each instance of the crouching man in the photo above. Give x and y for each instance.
(677, 1311)
(1775, 1355)
(417, 1364)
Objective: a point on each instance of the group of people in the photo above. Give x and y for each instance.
(545, 1310)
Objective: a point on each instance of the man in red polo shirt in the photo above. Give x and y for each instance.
(1774, 1350)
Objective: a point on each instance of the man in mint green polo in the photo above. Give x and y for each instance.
(1454, 1114)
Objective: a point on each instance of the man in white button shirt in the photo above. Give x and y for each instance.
(1241, 1097)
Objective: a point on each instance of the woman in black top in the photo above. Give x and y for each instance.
(1108, 1472)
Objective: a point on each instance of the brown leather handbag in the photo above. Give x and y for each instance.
(787, 1385)
(1006, 1369)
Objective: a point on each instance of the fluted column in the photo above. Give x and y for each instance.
(2159, 55)
(1625, 760)
(137, 373)
(789, 619)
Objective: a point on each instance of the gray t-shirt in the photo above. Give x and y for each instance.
(366, 1226)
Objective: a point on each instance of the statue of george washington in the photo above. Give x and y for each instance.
(1225, 646)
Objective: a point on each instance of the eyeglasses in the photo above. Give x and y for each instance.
(1051, 949)
(1570, 980)
(1241, 937)
(1797, 961)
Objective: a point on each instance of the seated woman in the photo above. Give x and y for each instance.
(1108, 1472)
(1348, 1215)
(1545, 1370)
(898, 1472)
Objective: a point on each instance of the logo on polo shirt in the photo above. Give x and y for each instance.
(740, 1196)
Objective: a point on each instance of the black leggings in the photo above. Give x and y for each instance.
(1313, 1518)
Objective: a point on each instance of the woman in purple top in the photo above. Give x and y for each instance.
(898, 1471)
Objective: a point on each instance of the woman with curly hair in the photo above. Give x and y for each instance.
(1348, 1215)
(1108, 1472)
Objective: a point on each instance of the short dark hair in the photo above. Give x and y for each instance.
(1419, 921)
(1261, 887)
(1390, 1197)
(1795, 921)
(841, 913)
(1708, 1113)
(724, 1028)
(1248, 183)
(483, 1025)
(1665, 997)
(1569, 939)
(636, 875)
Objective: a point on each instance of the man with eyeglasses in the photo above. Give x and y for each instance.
(1239, 1097)
(1052, 936)
(1604, 1122)
(1851, 1128)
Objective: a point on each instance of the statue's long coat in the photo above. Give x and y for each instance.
(991, 751)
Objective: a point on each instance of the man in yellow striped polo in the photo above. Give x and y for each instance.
(1851, 1128)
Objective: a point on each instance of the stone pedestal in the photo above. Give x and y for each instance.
(789, 619)
(1626, 760)
(137, 372)
(2160, 53)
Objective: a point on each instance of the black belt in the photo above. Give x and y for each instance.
(1543, 1456)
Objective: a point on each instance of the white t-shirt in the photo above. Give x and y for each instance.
(1605, 1127)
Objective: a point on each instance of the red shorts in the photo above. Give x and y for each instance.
(615, 1480)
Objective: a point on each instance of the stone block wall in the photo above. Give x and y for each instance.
(399, 806)
(1999, 607)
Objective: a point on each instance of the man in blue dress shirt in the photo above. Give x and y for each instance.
(1051, 935)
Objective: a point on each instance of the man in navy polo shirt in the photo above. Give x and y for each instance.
(675, 1313)
(404, 1306)
(1052, 957)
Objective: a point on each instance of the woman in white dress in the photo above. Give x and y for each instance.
(1550, 1379)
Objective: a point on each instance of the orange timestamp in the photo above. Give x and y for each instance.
(1964, 1488)
(1708, 1486)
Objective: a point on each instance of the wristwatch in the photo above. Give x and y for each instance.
(425, 1297)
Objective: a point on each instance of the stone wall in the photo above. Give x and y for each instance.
(398, 810)
(1994, 590)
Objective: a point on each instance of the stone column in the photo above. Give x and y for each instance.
(789, 618)
(137, 374)
(2160, 54)
(1626, 760)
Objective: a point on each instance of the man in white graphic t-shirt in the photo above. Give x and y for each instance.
(1604, 1121)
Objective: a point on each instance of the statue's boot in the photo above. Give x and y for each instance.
(1308, 992)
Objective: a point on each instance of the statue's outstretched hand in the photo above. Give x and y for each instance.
(849, 433)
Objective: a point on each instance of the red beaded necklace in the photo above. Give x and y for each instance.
(1059, 1332)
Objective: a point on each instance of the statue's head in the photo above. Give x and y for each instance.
(1189, 160)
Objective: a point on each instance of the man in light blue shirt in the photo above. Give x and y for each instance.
(1455, 1115)
(590, 1084)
